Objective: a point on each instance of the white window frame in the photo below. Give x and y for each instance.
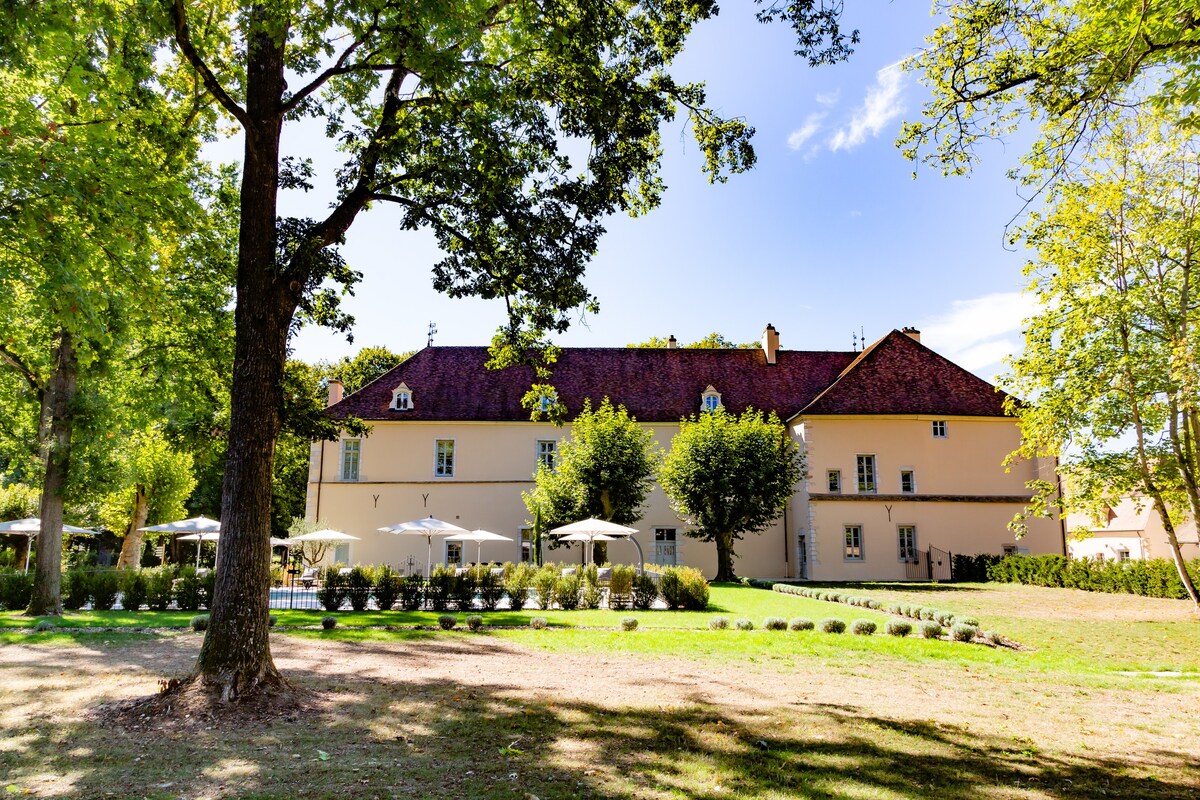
(912, 480)
(710, 399)
(437, 467)
(866, 487)
(525, 537)
(339, 549)
(542, 452)
(833, 481)
(846, 546)
(344, 473)
(447, 546)
(402, 391)
(674, 540)
(940, 429)
(911, 550)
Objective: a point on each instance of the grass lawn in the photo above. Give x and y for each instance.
(670, 710)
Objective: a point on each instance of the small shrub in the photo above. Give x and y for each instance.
(15, 590)
(44, 625)
(160, 587)
(208, 585)
(894, 608)
(944, 618)
(931, 630)
(645, 592)
(967, 621)
(544, 582)
(566, 592)
(104, 584)
(833, 625)
(387, 588)
(718, 623)
(744, 625)
(993, 637)
(620, 586)
(447, 621)
(517, 582)
(462, 590)
(963, 633)
(489, 586)
(898, 627)
(628, 623)
(328, 623)
(199, 623)
(538, 623)
(75, 589)
(802, 624)
(591, 595)
(474, 622)
(272, 620)
(189, 591)
(695, 589)
(775, 624)
(927, 613)
(359, 583)
(133, 589)
(439, 588)
(412, 592)
(862, 627)
(670, 585)
(332, 593)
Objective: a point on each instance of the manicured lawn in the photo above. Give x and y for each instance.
(670, 710)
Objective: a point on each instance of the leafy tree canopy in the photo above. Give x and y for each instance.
(730, 475)
(713, 341)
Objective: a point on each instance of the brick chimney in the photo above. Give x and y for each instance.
(335, 392)
(672, 342)
(770, 343)
(911, 333)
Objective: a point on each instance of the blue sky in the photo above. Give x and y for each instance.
(828, 235)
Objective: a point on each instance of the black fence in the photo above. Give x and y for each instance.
(930, 564)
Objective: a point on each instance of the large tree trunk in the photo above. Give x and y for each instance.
(131, 547)
(725, 557)
(1176, 555)
(55, 428)
(236, 655)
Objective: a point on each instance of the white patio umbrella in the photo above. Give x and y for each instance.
(479, 536)
(31, 527)
(592, 529)
(198, 538)
(426, 527)
(326, 535)
(208, 530)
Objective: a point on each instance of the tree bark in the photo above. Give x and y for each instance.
(55, 428)
(236, 655)
(131, 547)
(1176, 556)
(725, 557)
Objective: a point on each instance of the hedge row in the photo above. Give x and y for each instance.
(155, 588)
(1150, 578)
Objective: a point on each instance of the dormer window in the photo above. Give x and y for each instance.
(710, 400)
(402, 399)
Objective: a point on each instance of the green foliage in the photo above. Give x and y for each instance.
(17, 501)
(474, 622)
(199, 623)
(629, 624)
(591, 594)
(801, 624)
(462, 591)
(76, 588)
(134, 590)
(898, 627)
(718, 623)
(412, 591)
(538, 623)
(329, 623)
(104, 585)
(44, 625)
(973, 569)
(489, 586)
(832, 625)
(160, 588)
(963, 633)
(517, 583)
(730, 475)
(439, 588)
(387, 588)
(359, 583)
(544, 582)
(775, 624)
(332, 592)
(15, 590)
(670, 586)
(148, 462)
(713, 341)
(931, 630)
(645, 591)
(367, 366)
(447, 622)
(566, 592)
(605, 470)
(862, 627)
(743, 625)
(620, 586)
(1149, 578)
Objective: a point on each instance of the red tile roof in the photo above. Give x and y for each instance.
(662, 385)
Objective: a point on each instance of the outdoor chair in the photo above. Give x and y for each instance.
(309, 577)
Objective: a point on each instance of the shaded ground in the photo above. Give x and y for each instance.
(462, 715)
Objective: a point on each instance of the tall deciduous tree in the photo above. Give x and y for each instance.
(604, 470)
(1112, 362)
(465, 116)
(1067, 64)
(730, 475)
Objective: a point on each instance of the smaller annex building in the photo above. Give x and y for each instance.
(904, 449)
(1131, 530)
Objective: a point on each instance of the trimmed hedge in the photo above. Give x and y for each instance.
(1151, 578)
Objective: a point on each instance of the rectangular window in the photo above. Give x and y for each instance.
(443, 461)
(833, 479)
(665, 548)
(341, 554)
(908, 482)
(853, 542)
(453, 552)
(1123, 554)
(351, 450)
(866, 473)
(939, 429)
(1010, 549)
(547, 452)
(907, 534)
(527, 545)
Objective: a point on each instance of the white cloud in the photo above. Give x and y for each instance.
(828, 99)
(812, 124)
(882, 105)
(978, 333)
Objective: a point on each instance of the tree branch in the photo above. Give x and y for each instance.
(31, 377)
(339, 68)
(183, 38)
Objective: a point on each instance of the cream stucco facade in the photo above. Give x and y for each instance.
(1133, 531)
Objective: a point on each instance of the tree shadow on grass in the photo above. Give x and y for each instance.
(381, 733)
